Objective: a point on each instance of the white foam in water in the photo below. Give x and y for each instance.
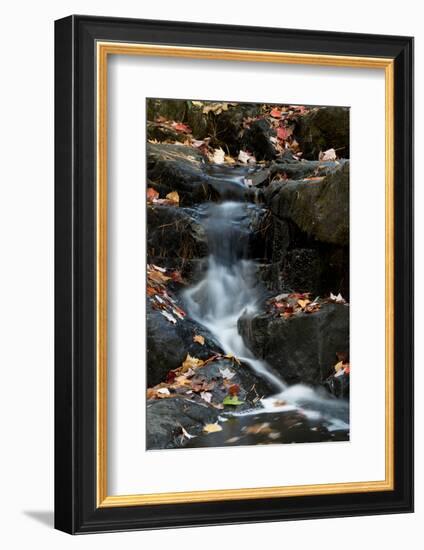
(225, 293)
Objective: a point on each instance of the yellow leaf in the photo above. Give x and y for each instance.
(191, 363)
(339, 366)
(211, 428)
(303, 303)
(199, 339)
(174, 197)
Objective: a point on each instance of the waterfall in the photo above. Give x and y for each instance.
(229, 286)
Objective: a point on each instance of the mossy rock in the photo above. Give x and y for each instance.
(323, 129)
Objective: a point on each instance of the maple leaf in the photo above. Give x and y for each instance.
(232, 400)
(218, 156)
(227, 373)
(199, 339)
(283, 133)
(191, 363)
(246, 157)
(211, 428)
(206, 396)
(275, 113)
(180, 127)
(173, 197)
(152, 194)
(328, 155)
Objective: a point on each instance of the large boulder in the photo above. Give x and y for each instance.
(319, 208)
(303, 347)
(175, 238)
(168, 344)
(178, 168)
(165, 419)
(323, 129)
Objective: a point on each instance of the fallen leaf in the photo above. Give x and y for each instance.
(169, 317)
(328, 155)
(152, 194)
(263, 428)
(338, 366)
(246, 157)
(232, 400)
(283, 133)
(303, 303)
(227, 373)
(173, 197)
(275, 113)
(206, 396)
(234, 389)
(191, 362)
(163, 392)
(218, 156)
(211, 428)
(199, 339)
(180, 127)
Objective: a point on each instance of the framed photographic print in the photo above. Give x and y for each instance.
(234, 268)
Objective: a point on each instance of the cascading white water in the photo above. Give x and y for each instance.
(228, 287)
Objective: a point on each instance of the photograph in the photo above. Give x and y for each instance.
(247, 273)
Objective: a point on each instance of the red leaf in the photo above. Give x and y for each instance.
(234, 389)
(283, 133)
(276, 113)
(152, 194)
(180, 127)
(170, 377)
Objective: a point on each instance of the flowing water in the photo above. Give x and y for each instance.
(229, 289)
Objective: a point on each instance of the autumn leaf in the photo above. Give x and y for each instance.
(173, 197)
(246, 157)
(275, 113)
(152, 194)
(328, 155)
(263, 428)
(234, 389)
(180, 127)
(283, 133)
(232, 400)
(303, 303)
(199, 339)
(218, 156)
(338, 366)
(227, 373)
(191, 363)
(211, 428)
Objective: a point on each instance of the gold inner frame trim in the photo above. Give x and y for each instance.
(103, 50)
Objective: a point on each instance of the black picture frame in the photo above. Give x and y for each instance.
(76, 508)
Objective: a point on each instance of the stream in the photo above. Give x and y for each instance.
(230, 288)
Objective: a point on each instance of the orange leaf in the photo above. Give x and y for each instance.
(152, 194)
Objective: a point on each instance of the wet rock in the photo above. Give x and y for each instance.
(175, 238)
(257, 140)
(171, 109)
(178, 168)
(320, 209)
(322, 129)
(165, 419)
(226, 129)
(168, 344)
(162, 132)
(301, 348)
(299, 169)
(338, 386)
